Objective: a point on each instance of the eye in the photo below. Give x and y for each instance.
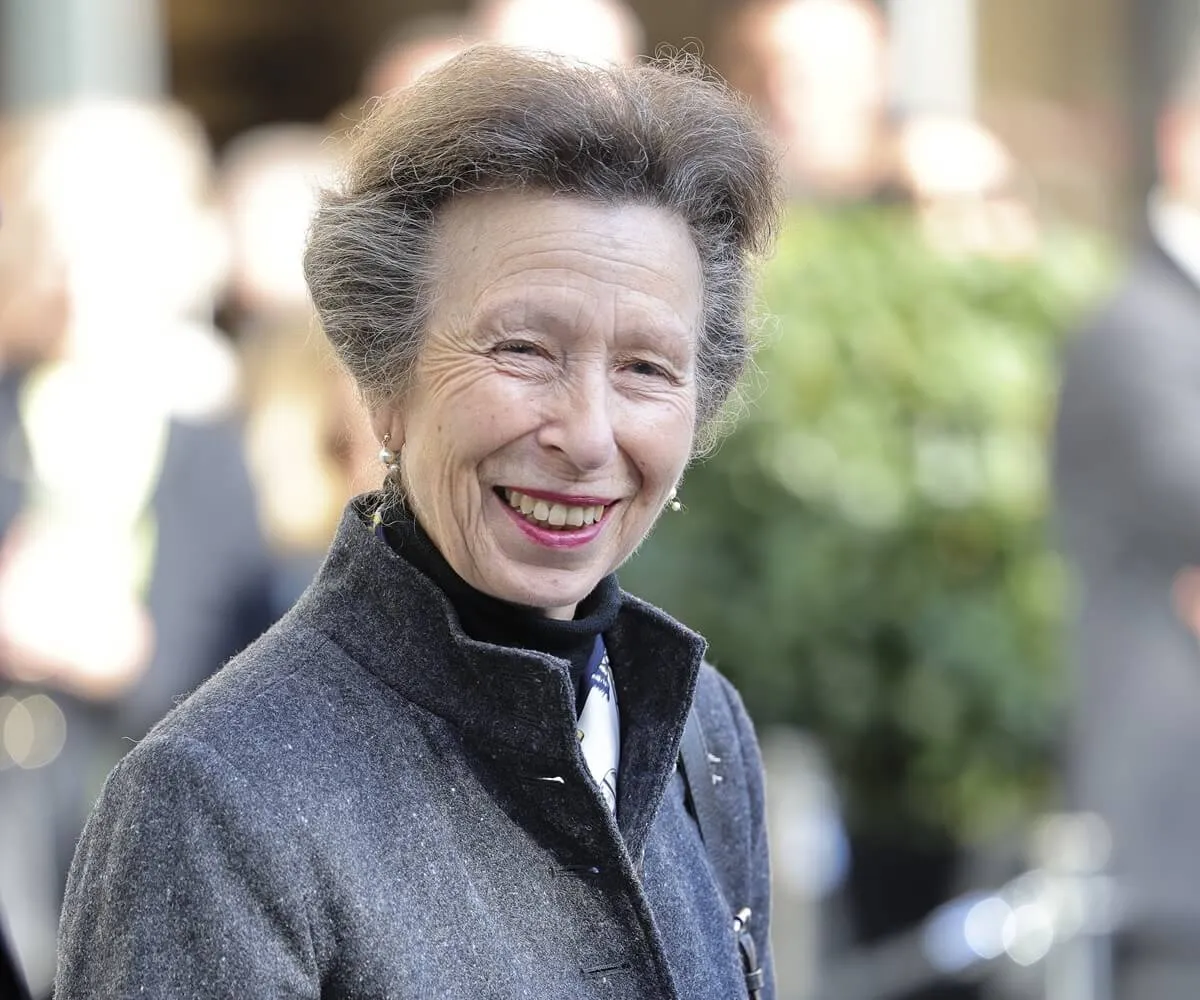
(522, 347)
(648, 369)
(524, 351)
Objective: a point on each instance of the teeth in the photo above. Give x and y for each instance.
(554, 515)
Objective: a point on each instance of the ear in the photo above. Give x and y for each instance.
(388, 425)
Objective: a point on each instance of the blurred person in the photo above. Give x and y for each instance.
(593, 31)
(308, 439)
(131, 563)
(33, 317)
(42, 812)
(417, 46)
(267, 182)
(818, 70)
(451, 769)
(33, 293)
(34, 308)
(965, 186)
(143, 257)
(1127, 475)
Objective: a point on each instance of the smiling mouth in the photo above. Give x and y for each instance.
(550, 514)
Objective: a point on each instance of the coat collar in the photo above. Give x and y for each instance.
(513, 705)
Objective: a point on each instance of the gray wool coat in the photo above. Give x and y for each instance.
(368, 803)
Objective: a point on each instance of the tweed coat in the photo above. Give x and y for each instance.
(368, 803)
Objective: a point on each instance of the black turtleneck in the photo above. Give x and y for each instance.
(489, 619)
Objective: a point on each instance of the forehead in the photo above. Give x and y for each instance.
(520, 250)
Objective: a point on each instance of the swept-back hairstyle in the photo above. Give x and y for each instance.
(664, 133)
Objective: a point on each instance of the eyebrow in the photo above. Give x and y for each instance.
(513, 310)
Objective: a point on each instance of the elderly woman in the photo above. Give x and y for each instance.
(450, 770)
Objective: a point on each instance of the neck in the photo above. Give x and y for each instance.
(567, 632)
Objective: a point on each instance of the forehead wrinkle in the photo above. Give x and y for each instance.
(511, 303)
(566, 259)
(510, 248)
(629, 310)
(476, 251)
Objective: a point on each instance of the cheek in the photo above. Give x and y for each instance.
(661, 448)
(460, 430)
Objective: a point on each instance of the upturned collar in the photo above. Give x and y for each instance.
(498, 622)
(507, 703)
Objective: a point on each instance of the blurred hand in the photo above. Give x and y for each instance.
(65, 620)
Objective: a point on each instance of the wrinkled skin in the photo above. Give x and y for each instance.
(560, 358)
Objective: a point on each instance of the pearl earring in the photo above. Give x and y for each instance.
(672, 503)
(387, 456)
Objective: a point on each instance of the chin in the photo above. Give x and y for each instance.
(548, 596)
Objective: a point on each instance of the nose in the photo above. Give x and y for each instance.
(579, 423)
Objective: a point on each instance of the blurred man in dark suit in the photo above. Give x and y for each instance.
(1127, 471)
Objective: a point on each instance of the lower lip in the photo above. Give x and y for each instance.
(554, 538)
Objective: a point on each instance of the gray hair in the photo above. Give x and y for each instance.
(663, 132)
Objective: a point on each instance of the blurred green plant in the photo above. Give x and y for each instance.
(869, 552)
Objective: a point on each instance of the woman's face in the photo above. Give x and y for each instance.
(554, 402)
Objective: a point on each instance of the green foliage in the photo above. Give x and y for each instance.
(868, 553)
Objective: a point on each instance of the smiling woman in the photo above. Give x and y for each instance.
(462, 740)
(559, 371)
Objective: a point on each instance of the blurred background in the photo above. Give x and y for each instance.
(974, 408)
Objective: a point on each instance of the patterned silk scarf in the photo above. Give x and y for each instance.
(599, 728)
